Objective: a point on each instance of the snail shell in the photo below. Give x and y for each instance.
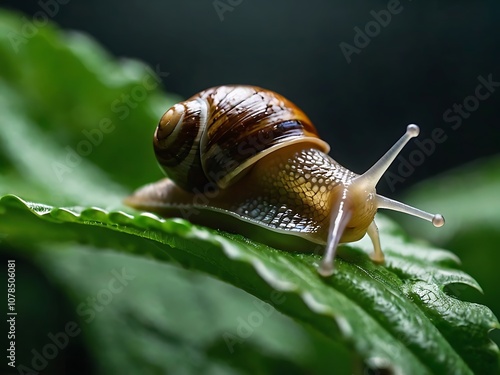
(216, 135)
(247, 160)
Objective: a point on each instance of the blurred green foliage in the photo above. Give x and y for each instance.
(468, 197)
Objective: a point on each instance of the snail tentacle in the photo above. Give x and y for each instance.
(340, 217)
(377, 255)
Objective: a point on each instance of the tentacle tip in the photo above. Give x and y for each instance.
(412, 130)
(438, 220)
(376, 258)
(325, 269)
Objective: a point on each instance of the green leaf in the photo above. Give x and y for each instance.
(185, 326)
(85, 108)
(396, 316)
(468, 197)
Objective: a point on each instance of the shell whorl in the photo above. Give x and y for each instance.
(217, 135)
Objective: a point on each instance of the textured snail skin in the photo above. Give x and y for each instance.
(291, 193)
(247, 160)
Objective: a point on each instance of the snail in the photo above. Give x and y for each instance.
(246, 160)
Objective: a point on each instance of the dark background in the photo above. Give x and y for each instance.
(426, 59)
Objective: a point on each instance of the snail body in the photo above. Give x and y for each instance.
(247, 160)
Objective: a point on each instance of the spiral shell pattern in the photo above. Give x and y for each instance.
(215, 136)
